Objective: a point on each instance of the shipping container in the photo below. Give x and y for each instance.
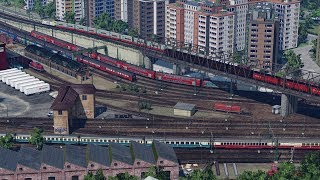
(23, 86)
(18, 84)
(37, 89)
(6, 76)
(13, 82)
(8, 80)
(227, 108)
(9, 70)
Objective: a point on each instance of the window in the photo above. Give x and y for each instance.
(27, 178)
(84, 97)
(59, 112)
(51, 178)
(75, 178)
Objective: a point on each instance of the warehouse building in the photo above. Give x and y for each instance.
(3, 58)
(73, 102)
(184, 109)
(74, 162)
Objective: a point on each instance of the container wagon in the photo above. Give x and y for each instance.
(227, 108)
(23, 86)
(18, 84)
(13, 82)
(36, 89)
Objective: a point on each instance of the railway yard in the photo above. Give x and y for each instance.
(119, 116)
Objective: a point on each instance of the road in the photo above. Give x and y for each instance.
(309, 64)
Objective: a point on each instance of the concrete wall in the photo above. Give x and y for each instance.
(61, 122)
(88, 105)
(180, 112)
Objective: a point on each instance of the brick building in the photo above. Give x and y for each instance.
(3, 57)
(74, 162)
(73, 102)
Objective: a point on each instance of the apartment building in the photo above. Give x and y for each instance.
(148, 18)
(287, 12)
(71, 6)
(263, 36)
(30, 3)
(205, 26)
(93, 8)
(122, 12)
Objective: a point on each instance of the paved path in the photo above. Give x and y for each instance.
(309, 64)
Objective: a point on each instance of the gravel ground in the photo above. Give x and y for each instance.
(18, 104)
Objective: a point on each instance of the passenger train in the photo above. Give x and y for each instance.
(221, 143)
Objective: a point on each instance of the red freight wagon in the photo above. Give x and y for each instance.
(227, 108)
(271, 80)
(36, 66)
(294, 85)
(178, 79)
(258, 77)
(315, 90)
(107, 60)
(138, 70)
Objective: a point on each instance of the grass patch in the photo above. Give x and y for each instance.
(315, 30)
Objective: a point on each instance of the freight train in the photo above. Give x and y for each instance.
(223, 143)
(119, 65)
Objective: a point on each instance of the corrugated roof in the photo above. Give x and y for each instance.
(66, 98)
(121, 153)
(30, 158)
(53, 156)
(184, 106)
(164, 151)
(143, 152)
(99, 154)
(8, 159)
(76, 155)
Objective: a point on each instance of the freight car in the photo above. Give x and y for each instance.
(227, 108)
(107, 68)
(36, 66)
(178, 79)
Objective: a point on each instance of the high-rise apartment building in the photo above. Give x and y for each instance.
(93, 8)
(148, 17)
(263, 36)
(287, 12)
(123, 10)
(70, 6)
(205, 26)
(30, 3)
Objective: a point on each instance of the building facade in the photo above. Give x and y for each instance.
(70, 6)
(205, 26)
(263, 37)
(30, 3)
(74, 162)
(96, 7)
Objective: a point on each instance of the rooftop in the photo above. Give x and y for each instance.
(184, 106)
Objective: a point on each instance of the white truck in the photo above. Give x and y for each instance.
(22, 86)
(13, 82)
(36, 89)
(8, 73)
(8, 80)
(18, 84)
(5, 77)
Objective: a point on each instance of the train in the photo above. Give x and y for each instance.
(227, 108)
(218, 143)
(118, 64)
(36, 66)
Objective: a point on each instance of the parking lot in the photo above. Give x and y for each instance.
(13, 103)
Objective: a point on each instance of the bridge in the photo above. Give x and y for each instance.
(191, 60)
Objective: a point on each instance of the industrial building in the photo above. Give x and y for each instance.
(72, 103)
(184, 109)
(3, 57)
(74, 162)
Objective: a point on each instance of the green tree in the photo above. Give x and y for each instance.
(294, 64)
(237, 57)
(119, 26)
(82, 22)
(17, 3)
(50, 10)
(69, 17)
(37, 138)
(302, 33)
(152, 171)
(196, 174)
(252, 175)
(310, 166)
(133, 33)
(89, 176)
(313, 50)
(126, 176)
(103, 21)
(100, 175)
(208, 174)
(6, 141)
(286, 170)
(38, 8)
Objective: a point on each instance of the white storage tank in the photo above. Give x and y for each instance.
(18, 84)
(39, 88)
(5, 77)
(13, 82)
(23, 86)
(8, 80)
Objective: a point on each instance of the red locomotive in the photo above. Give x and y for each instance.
(36, 66)
(227, 108)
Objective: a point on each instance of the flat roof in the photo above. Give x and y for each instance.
(184, 106)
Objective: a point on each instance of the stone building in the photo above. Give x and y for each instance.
(73, 102)
(74, 162)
